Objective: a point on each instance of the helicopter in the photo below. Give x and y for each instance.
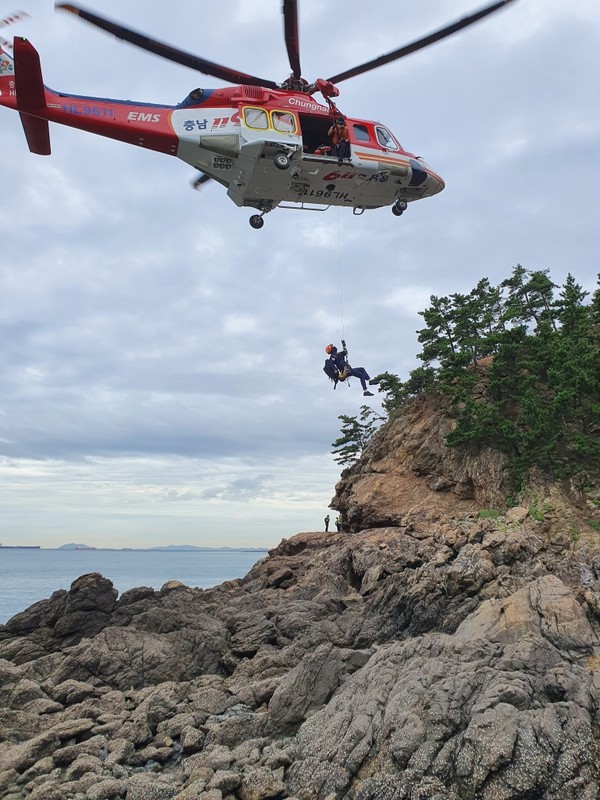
(267, 143)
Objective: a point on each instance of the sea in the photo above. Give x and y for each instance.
(27, 576)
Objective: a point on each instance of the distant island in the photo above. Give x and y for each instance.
(73, 546)
(161, 548)
(20, 547)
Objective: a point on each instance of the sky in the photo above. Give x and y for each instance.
(161, 361)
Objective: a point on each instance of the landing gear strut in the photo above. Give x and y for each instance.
(399, 207)
(264, 206)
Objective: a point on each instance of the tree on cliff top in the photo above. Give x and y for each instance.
(537, 353)
(356, 432)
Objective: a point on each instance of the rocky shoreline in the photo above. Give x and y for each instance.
(430, 653)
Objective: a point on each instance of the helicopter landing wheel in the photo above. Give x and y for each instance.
(281, 161)
(256, 221)
(399, 207)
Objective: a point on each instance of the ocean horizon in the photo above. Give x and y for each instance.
(29, 574)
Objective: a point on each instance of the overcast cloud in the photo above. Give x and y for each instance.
(161, 374)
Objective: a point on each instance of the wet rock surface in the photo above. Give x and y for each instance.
(445, 656)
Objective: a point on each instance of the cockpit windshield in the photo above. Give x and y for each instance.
(386, 139)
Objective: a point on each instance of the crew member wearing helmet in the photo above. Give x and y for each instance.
(337, 365)
(340, 138)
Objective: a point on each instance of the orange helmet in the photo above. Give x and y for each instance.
(329, 349)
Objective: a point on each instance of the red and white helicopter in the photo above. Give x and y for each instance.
(265, 142)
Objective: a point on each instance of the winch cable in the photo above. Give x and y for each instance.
(341, 274)
(341, 287)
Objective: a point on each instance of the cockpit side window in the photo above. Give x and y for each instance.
(361, 133)
(385, 138)
(256, 118)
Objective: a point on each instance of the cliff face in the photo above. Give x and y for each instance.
(430, 652)
(408, 472)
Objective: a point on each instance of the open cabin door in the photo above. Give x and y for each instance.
(315, 137)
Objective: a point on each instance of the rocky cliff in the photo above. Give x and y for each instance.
(443, 647)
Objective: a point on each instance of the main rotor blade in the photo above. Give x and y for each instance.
(292, 40)
(419, 44)
(166, 50)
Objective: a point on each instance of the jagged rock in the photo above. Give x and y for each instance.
(306, 687)
(97, 746)
(517, 514)
(235, 726)
(23, 692)
(250, 631)
(260, 784)
(144, 787)
(470, 570)
(83, 765)
(49, 790)
(193, 791)
(119, 751)
(171, 586)
(546, 606)
(216, 758)
(22, 756)
(104, 790)
(414, 698)
(191, 739)
(225, 781)
(70, 692)
(280, 577)
(211, 794)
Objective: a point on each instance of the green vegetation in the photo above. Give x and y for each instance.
(537, 511)
(488, 513)
(356, 432)
(518, 365)
(575, 534)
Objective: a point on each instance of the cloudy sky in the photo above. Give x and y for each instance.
(160, 378)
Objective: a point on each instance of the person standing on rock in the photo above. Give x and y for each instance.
(326, 520)
(338, 524)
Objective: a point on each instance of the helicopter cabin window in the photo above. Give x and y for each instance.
(385, 139)
(256, 118)
(361, 133)
(283, 121)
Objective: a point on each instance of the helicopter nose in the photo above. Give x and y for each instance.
(435, 183)
(423, 175)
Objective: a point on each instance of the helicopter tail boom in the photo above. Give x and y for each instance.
(22, 89)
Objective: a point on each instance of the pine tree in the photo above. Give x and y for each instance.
(572, 314)
(529, 295)
(438, 335)
(356, 433)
